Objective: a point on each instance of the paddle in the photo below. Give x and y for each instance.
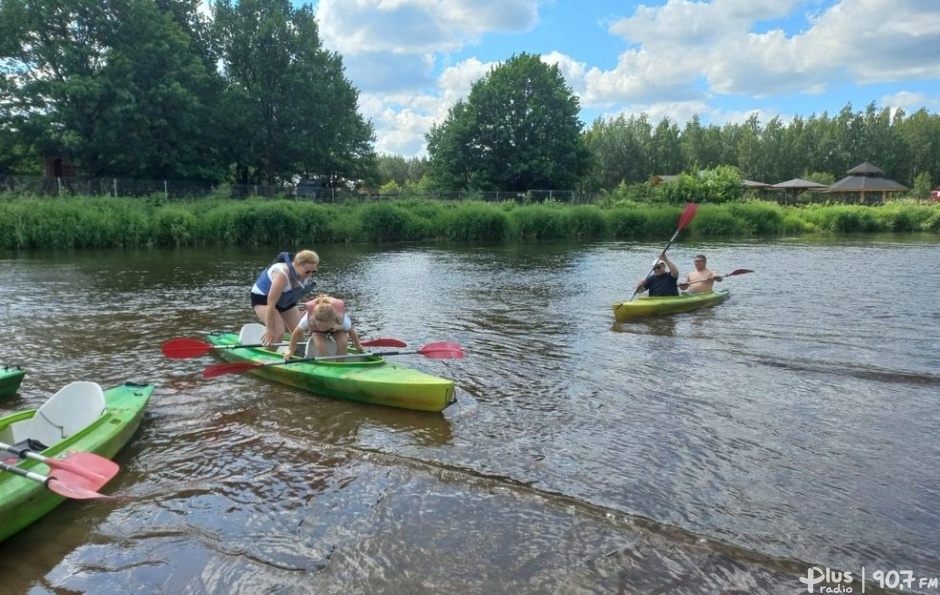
(186, 348)
(87, 464)
(441, 350)
(687, 215)
(731, 274)
(64, 483)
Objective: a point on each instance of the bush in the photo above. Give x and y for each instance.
(627, 223)
(477, 221)
(586, 223)
(175, 226)
(384, 222)
(712, 222)
(758, 218)
(538, 222)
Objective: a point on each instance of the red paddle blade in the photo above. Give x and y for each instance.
(77, 486)
(86, 464)
(687, 215)
(229, 368)
(384, 343)
(185, 348)
(738, 272)
(441, 350)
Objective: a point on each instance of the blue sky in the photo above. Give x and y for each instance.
(722, 60)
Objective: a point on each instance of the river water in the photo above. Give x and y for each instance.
(719, 451)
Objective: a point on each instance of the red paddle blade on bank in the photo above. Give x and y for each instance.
(186, 348)
(439, 350)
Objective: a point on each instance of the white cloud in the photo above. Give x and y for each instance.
(680, 58)
(857, 41)
(402, 119)
(910, 102)
(418, 26)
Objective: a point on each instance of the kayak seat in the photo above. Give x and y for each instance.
(251, 334)
(67, 412)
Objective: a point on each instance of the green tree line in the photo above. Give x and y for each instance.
(155, 89)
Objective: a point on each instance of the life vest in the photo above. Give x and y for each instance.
(297, 289)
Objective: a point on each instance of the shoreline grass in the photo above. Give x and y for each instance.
(106, 222)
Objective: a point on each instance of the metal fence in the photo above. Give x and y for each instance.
(175, 190)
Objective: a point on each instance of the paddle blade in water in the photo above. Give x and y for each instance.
(87, 464)
(738, 272)
(74, 486)
(441, 350)
(185, 348)
(229, 368)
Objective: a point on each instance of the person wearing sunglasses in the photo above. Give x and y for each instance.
(702, 279)
(278, 290)
(330, 328)
(661, 282)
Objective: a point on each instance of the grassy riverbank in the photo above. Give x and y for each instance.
(31, 223)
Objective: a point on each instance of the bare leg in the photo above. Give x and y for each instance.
(277, 331)
(291, 319)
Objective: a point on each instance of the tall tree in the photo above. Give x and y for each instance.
(518, 130)
(666, 150)
(296, 111)
(111, 84)
(619, 146)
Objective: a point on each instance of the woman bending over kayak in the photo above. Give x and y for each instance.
(279, 288)
(326, 318)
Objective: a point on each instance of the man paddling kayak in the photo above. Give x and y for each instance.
(661, 283)
(702, 279)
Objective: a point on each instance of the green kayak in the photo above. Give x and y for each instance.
(79, 419)
(367, 379)
(650, 306)
(10, 379)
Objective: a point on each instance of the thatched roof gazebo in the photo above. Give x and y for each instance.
(796, 186)
(866, 179)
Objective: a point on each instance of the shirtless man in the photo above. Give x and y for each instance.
(701, 279)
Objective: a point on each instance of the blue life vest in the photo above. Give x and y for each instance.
(292, 295)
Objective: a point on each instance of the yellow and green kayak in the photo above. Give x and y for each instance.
(79, 419)
(10, 379)
(651, 306)
(364, 378)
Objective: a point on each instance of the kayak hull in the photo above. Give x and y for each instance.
(24, 501)
(652, 306)
(10, 379)
(365, 379)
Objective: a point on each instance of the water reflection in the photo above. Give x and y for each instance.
(662, 326)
